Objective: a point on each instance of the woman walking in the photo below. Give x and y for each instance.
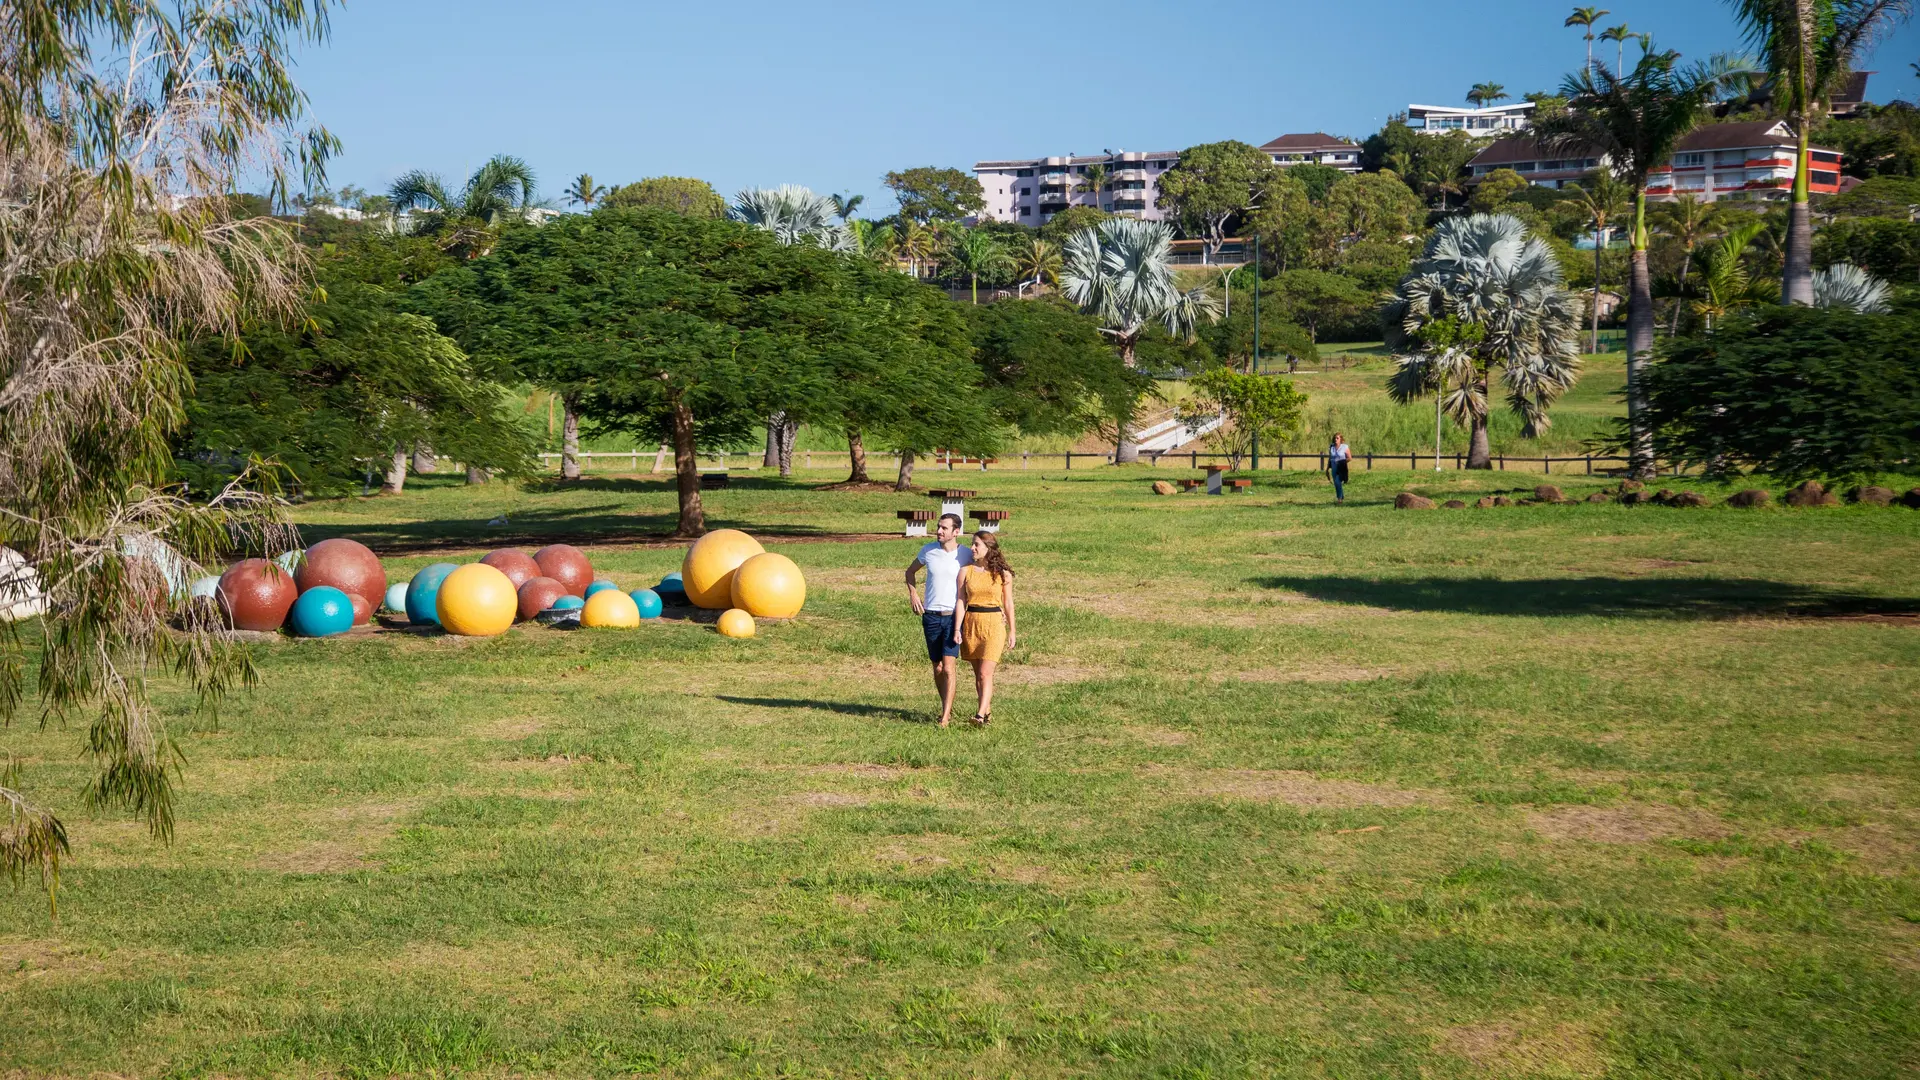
(1337, 457)
(984, 623)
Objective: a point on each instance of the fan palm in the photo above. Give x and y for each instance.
(974, 252)
(584, 192)
(1487, 269)
(1846, 285)
(1038, 262)
(1121, 273)
(1808, 47)
(1687, 220)
(845, 205)
(1618, 35)
(498, 191)
(794, 215)
(1586, 17)
(1634, 123)
(1486, 93)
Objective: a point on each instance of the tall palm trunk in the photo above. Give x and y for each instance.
(1639, 343)
(1479, 443)
(789, 429)
(569, 439)
(771, 459)
(1680, 302)
(857, 454)
(1599, 237)
(1125, 450)
(904, 482)
(686, 472)
(396, 473)
(1796, 277)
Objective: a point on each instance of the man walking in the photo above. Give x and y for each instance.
(943, 559)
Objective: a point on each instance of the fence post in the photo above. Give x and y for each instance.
(1589, 464)
(1069, 461)
(1413, 463)
(1503, 463)
(1546, 465)
(809, 459)
(1023, 458)
(1369, 461)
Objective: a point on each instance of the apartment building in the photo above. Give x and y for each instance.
(1317, 148)
(1493, 120)
(1750, 161)
(1029, 191)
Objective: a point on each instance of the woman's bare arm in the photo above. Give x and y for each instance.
(1006, 604)
(960, 602)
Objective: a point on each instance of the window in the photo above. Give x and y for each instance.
(1026, 191)
(1026, 211)
(1526, 166)
(1026, 172)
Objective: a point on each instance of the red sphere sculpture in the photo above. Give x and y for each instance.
(517, 565)
(538, 595)
(255, 595)
(567, 565)
(347, 565)
(362, 611)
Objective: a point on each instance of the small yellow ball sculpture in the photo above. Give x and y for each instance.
(710, 563)
(736, 623)
(769, 586)
(610, 608)
(477, 601)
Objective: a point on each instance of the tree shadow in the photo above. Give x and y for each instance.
(844, 708)
(1645, 598)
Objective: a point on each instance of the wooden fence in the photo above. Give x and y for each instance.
(661, 462)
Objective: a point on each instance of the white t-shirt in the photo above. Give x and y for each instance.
(943, 574)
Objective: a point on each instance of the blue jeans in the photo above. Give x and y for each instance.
(1339, 471)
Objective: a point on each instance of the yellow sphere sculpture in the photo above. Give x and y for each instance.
(769, 586)
(708, 569)
(477, 601)
(736, 623)
(610, 608)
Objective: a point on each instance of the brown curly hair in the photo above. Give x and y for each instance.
(993, 562)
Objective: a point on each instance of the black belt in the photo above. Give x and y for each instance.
(971, 609)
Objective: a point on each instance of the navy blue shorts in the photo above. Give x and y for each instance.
(938, 626)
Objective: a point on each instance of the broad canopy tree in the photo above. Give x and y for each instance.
(1216, 183)
(928, 194)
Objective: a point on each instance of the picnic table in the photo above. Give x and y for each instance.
(916, 520)
(990, 520)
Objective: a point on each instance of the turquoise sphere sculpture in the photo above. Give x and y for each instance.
(568, 603)
(648, 602)
(396, 600)
(423, 594)
(601, 585)
(321, 611)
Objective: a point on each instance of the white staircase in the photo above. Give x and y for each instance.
(1171, 433)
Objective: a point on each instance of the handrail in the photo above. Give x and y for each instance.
(1192, 459)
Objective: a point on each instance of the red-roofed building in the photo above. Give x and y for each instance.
(1317, 148)
(1751, 160)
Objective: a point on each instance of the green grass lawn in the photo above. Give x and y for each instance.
(1273, 788)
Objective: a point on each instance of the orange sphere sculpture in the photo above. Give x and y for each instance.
(517, 565)
(567, 565)
(707, 571)
(256, 594)
(735, 623)
(347, 565)
(477, 601)
(769, 586)
(610, 608)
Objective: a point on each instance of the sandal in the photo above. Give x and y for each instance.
(980, 719)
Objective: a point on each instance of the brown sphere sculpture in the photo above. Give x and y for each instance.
(567, 565)
(538, 594)
(255, 594)
(517, 565)
(347, 565)
(362, 611)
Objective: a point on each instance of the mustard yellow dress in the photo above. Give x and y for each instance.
(984, 635)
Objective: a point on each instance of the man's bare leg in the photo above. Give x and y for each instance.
(944, 681)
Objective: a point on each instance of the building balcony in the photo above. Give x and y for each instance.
(1769, 163)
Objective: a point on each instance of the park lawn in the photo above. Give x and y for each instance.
(1273, 788)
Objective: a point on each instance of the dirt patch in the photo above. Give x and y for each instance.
(869, 487)
(1048, 675)
(1633, 823)
(920, 852)
(828, 798)
(1288, 786)
(1504, 1049)
(1153, 736)
(326, 857)
(1307, 673)
(870, 770)
(1878, 846)
(1667, 564)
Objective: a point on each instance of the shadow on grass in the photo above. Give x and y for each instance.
(844, 708)
(1647, 598)
(589, 525)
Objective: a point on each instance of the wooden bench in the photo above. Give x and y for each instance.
(1190, 484)
(1240, 485)
(952, 500)
(916, 520)
(713, 481)
(989, 520)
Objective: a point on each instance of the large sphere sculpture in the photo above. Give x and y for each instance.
(423, 593)
(610, 608)
(517, 565)
(362, 610)
(256, 594)
(538, 595)
(567, 565)
(396, 600)
(203, 588)
(600, 585)
(568, 602)
(321, 611)
(735, 623)
(769, 586)
(648, 602)
(708, 569)
(477, 601)
(347, 565)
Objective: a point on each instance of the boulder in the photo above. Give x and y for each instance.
(1811, 493)
(1750, 498)
(1598, 497)
(1630, 485)
(1635, 497)
(1549, 493)
(1161, 487)
(1911, 500)
(1407, 500)
(1663, 496)
(1689, 499)
(1872, 495)
(1454, 504)
(1502, 500)
(1484, 502)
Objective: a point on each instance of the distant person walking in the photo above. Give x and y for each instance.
(943, 558)
(1338, 455)
(985, 617)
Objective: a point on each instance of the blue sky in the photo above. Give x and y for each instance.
(833, 95)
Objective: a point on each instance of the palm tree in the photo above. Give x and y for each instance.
(1586, 17)
(1604, 199)
(794, 215)
(584, 192)
(1618, 35)
(917, 244)
(1809, 47)
(1486, 93)
(1487, 269)
(1726, 282)
(500, 190)
(1096, 178)
(845, 205)
(1846, 285)
(876, 241)
(1038, 262)
(974, 252)
(1735, 75)
(1634, 123)
(1121, 274)
(1688, 221)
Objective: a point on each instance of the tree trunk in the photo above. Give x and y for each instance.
(396, 473)
(789, 429)
(1680, 302)
(904, 482)
(857, 453)
(569, 440)
(775, 423)
(1125, 450)
(1639, 349)
(1479, 450)
(423, 462)
(1796, 276)
(686, 469)
(478, 476)
(1598, 234)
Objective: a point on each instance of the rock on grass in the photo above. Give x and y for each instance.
(1872, 495)
(1750, 498)
(1407, 500)
(1811, 493)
